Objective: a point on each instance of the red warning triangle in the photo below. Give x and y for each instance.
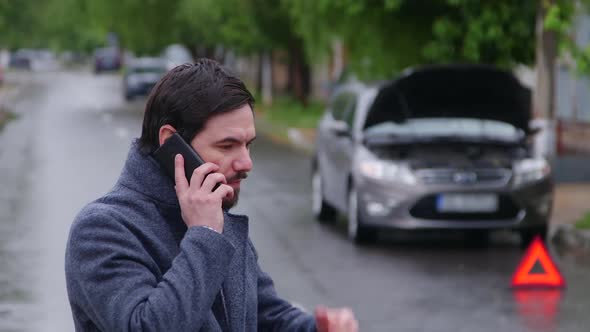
(537, 254)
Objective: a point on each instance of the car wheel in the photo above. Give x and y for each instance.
(528, 235)
(128, 96)
(357, 231)
(322, 211)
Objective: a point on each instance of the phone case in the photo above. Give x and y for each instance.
(172, 146)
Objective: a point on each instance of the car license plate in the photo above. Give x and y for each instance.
(467, 203)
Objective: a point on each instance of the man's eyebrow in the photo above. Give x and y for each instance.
(231, 139)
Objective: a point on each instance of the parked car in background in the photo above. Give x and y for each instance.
(442, 147)
(22, 59)
(176, 55)
(141, 74)
(107, 59)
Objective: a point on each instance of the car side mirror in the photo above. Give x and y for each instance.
(340, 129)
(534, 130)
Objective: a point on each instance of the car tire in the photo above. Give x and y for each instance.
(528, 235)
(128, 96)
(321, 210)
(357, 231)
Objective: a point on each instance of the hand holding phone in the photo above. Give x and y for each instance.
(174, 145)
(199, 188)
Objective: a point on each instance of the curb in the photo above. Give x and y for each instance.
(570, 238)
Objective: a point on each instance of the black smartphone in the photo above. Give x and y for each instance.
(172, 146)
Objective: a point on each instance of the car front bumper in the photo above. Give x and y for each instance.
(412, 207)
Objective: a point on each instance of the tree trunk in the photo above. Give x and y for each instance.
(544, 94)
(259, 72)
(338, 60)
(299, 72)
(266, 73)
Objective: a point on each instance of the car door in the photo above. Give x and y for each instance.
(337, 147)
(347, 148)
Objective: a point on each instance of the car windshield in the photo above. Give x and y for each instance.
(106, 52)
(153, 69)
(448, 127)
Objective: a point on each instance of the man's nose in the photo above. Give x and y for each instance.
(243, 163)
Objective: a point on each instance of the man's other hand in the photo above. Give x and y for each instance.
(335, 320)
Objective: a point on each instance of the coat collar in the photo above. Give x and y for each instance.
(143, 174)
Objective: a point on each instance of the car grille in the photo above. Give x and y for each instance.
(425, 208)
(488, 176)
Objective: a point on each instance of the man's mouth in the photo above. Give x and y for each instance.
(236, 179)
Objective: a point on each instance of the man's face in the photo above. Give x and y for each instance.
(225, 141)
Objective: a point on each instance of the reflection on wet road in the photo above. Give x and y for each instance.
(68, 145)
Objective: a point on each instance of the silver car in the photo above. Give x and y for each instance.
(441, 147)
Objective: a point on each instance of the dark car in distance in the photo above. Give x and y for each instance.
(141, 74)
(438, 148)
(107, 59)
(22, 59)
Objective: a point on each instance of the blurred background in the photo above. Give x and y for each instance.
(395, 220)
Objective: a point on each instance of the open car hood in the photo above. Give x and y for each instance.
(466, 91)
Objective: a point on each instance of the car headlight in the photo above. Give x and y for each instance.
(530, 170)
(383, 171)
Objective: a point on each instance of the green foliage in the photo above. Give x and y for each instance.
(5, 117)
(584, 223)
(500, 32)
(144, 26)
(381, 37)
(17, 23)
(386, 36)
(560, 18)
(287, 112)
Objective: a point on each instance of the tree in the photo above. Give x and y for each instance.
(384, 37)
(18, 23)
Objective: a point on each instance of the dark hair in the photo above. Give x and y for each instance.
(189, 95)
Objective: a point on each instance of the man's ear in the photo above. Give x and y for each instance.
(165, 132)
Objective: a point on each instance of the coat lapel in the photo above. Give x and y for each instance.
(236, 230)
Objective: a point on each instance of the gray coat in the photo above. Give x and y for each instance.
(132, 265)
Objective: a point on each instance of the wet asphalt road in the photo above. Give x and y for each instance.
(68, 145)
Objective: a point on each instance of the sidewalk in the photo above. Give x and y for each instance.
(572, 202)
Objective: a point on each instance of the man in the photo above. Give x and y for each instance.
(157, 254)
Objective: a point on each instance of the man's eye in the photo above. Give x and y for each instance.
(225, 147)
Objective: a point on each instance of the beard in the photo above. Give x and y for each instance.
(229, 203)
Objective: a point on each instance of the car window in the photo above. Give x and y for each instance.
(341, 104)
(350, 111)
